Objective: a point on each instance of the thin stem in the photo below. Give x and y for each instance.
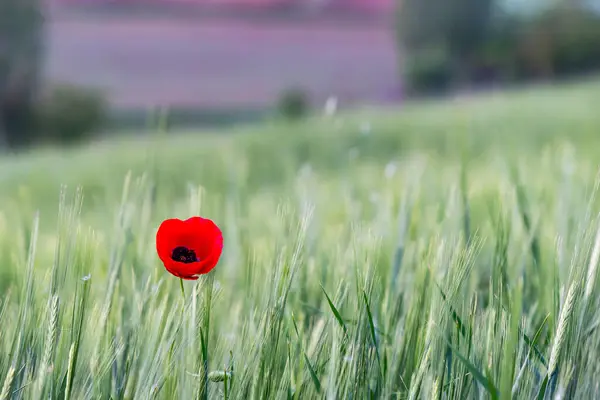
(204, 335)
(225, 393)
(183, 297)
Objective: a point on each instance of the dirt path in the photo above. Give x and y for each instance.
(200, 63)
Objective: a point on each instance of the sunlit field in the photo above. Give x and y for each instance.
(442, 251)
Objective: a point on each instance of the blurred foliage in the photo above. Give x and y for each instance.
(21, 56)
(444, 49)
(440, 37)
(69, 114)
(63, 114)
(429, 70)
(293, 104)
(572, 40)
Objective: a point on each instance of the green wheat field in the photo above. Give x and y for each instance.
(447, 250)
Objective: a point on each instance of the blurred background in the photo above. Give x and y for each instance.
(72, 69)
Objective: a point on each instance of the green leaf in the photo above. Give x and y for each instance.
(479, 377)
(313, 374)
(372, 327)
(335, 311)
(455, 317)
(542, 391)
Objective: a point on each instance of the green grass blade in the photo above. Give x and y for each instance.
(335, 311)
(372, 329)
(313, 375)
(479, 377)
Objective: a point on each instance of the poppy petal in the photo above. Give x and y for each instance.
(206, 265)
(167, 237)
(190, 278)
(174, 268)
(204, 235)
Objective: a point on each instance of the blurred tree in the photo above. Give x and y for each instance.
(455, 28)
(69, 114)
(293, 104)
(21, 52)
(557, 41)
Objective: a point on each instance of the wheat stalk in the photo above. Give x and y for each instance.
(70, 372)
(561, 331)
(7, 383)
(593, 266)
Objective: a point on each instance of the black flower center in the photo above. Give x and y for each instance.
(184, 255)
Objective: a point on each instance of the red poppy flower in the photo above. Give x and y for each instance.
(189, 248)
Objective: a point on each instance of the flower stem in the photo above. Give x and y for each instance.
(182, 289)
(225, 394)
(207, 281)
(183, 296)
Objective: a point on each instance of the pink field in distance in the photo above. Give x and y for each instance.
(383, 6)
(153, 60)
